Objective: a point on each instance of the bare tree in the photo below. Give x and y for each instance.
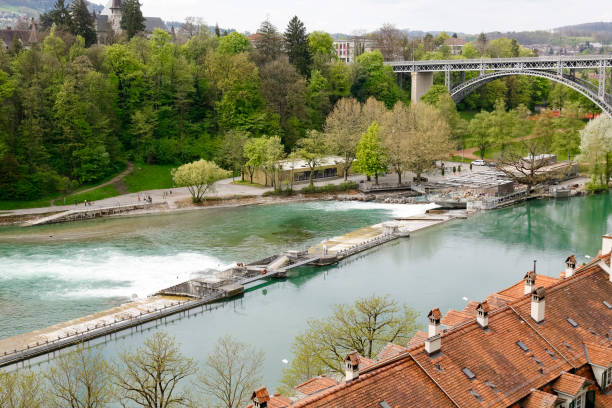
(428, 138)
(80, 379)
(525, 169)
(20, 389)
(343, 130)
(192, 27)
(394, 134)
(149, 376)
(390, 41)
(231, 372)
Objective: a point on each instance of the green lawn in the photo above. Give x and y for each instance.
(18, 205)
(93, 195)
(149, 177)
(467, 115)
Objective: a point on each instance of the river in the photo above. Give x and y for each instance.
(55, 273)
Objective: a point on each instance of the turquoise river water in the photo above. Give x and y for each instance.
(54, 273)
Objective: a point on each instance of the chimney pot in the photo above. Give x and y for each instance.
(570, 266)
(530, 278)
(482, 316)
(538, 304)
(351, 366)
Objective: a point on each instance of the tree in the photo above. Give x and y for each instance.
(480, 130)
(80, 379)
(371, 158)
(373, 78)
(82, 22)
(59, 15)
(390, 41)
(232, 150)
(284, 89)
(255, 155)
(274, 153)
(596, 148)
(428, 138)
(149, 376)
(132, 20)
(343, 130)
(312, 150)
(268, 43)
(322, 49)
(365, 326)
(233, 43)
(231, 372)
(21, 389)
(481, 43)
(193, 26)
(198, 177)
(296, 43)
(395, 137)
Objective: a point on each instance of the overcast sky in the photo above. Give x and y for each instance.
(469, 16)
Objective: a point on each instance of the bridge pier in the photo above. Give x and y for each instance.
(421, 82)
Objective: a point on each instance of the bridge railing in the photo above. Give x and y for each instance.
(607, 57)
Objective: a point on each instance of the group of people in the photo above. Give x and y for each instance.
(147, 199)
(85, 203)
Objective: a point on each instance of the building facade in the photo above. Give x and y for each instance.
(544, 342)
(108, 23)
(348, 50)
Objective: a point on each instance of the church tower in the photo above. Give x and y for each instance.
(115, 17)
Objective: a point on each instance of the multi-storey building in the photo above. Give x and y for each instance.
(544, 342)
(348, 50)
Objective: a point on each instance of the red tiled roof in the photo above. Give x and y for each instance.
(569, 384)
(353, 357)
(504, 373)
(455, 317)
(278, 401)
(517, 290)
(454, 41)
(315, 385)
(400, 383)
(365, 362)
(540, 399)
(261, 395)
(391, 349)
(571, 259)
(254, 37)
(598, 354)
(579, 298)
(418, 339)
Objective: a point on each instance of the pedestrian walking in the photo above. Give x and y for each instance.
(85, 202)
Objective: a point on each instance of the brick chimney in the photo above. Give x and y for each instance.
(538, 304)
(570, 266)
(482, 316)
(351, 366)
(260, 398)
(529, 278)
(433, 344)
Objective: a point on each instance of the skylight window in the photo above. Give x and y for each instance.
(522, 346)
(384, 404)
(572, 322)
(534, 358)
(566, 345)
(476, 395)
(550, 353)
(608, 305)
(438, 367)
(492, 386)
(468, 373)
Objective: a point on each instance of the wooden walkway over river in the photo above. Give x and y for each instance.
(208, 290)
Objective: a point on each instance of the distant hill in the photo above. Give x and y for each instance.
(32, 8)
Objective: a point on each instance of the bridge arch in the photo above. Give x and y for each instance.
(585, 88)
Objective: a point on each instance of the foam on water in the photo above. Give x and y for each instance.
(397, 210)
(105, 273)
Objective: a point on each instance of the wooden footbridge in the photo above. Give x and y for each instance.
(88, 213)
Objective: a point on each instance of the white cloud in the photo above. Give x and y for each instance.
(470, 16)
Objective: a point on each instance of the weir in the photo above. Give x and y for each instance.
(223, 285)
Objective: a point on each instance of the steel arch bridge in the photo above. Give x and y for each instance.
(559, 69)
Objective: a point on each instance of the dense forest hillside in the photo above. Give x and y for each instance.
(32, 8)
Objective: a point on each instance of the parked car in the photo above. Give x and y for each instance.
(479, 163)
